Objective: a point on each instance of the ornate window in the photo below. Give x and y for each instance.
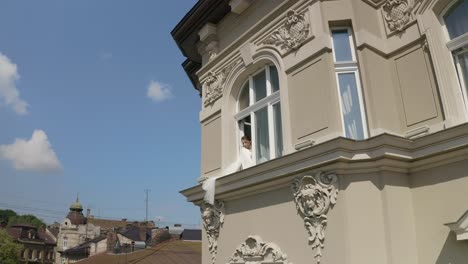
(455, 19)
(349, 86)
(259, 114)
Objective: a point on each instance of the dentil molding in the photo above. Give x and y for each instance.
(314, 196)
(291, 34)
(213, 219)
(255, 251)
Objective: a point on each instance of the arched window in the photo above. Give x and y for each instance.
(455, 19)
(259, 114)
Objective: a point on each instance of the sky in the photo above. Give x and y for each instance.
(94, 101)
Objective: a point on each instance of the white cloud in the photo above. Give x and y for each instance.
(8, 91)
(35, 154)
(159, 92)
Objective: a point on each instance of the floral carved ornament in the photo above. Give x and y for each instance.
(213, 84)
(213, 219)
(397, 13)
(314, 196)
(291, 34)
(255, 251)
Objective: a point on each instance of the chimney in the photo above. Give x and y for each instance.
(88, 212)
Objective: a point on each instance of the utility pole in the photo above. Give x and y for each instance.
(146, 200)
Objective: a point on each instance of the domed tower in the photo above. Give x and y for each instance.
(75, 215)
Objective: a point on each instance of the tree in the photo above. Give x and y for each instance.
(9, 250)
(5, 215)
(26, 219)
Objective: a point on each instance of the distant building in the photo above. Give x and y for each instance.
(38, 245)
(74, 231)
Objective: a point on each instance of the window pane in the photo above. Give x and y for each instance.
(262, 145)
(244, 100)
(341, 45)
(463, 61)
(259, 81)
(274, 79)
(278, 130)
(350, 106)
(245, 126)
(456, 19)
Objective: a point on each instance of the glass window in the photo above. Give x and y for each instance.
(260, 118)
(244, 100)
(462, 61)
(350, 106)
(278, 129)
(456, 22)
(260, 87)
(347, 75)
(262, 135)
(342, 45)
(456, 19)
(274, 80)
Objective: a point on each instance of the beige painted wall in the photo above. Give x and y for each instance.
(440, 196)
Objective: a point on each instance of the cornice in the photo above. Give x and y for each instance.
(345, 157)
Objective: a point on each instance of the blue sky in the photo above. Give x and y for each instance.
(101, 82)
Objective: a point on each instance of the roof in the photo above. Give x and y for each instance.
(76, 206)
(107, 223)
(186, 36)
(76, 218)
(176, 251)
(83, 248)
(191, 234)
(21, 233)
(135, 235)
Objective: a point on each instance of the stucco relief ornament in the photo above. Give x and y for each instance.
(291, 34)
(314, 196)
(397, 13)
(255, 251)
(213, 219)
(214, 83)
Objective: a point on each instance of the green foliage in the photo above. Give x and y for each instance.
(5, 215)
(26, 219)
(9, 250)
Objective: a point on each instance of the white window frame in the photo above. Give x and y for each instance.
(349, 67)
(456, 46)
(269, 101)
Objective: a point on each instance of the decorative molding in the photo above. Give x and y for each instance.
(314, 196)
(292, 34)
(398, 13)
(213, 219)
(255, 251)
(213, 84)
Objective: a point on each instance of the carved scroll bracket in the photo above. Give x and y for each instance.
(314, 196)
(255, 251)
(213, 219)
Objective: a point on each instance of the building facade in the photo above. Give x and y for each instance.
(74, 231)
(357, 114)
(38, 245)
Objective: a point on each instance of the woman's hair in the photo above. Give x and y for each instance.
(246, 137)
